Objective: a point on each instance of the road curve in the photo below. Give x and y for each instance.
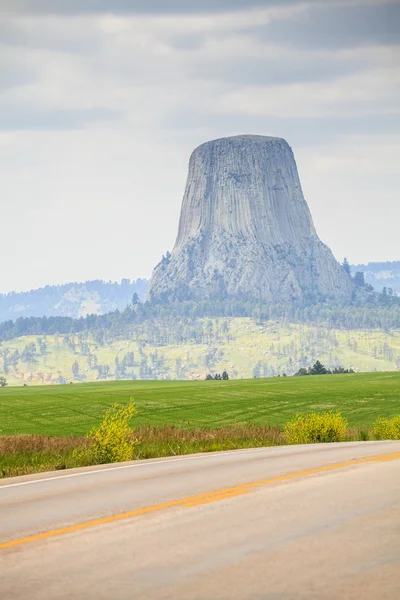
(317, 522)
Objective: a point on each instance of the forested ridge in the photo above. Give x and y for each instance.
(368, 309)
(383, 313)
(76, 299)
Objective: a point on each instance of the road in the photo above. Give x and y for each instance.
(317, 522)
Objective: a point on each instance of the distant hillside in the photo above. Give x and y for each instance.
(71, 299)
(381, 274)
(100, 297)
(191, 348)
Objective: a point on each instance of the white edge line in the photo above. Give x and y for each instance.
(142, 464)
(150, 462)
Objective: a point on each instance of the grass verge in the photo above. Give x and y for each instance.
(24, 454)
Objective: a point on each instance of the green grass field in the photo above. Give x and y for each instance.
(74, 409)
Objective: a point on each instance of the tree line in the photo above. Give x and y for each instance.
(366, 311)
(319, 369)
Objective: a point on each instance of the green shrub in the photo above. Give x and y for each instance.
(113, 440)
(316, 428)
(387, 429)
(364, 435)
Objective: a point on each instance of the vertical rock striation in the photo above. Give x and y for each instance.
(246, 231)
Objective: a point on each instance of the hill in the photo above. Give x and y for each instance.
(186, 348)
(381, 274)
(74, 409)
(71, 299)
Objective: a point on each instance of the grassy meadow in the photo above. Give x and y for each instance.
(72, 410)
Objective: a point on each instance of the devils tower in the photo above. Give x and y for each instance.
(246, 231)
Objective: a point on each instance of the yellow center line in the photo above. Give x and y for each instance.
(196, 500)
(214, 498)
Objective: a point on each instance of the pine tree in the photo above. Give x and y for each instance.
(346, 266)
(75, 370)
(129, 359)
(303, 371)
(359, 279)
(318, 369)
(135, 299)
(117, 368)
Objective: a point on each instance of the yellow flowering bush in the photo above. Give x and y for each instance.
(387, 429)
(316, 428)
(113, 440)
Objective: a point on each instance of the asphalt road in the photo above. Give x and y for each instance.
(317, 522)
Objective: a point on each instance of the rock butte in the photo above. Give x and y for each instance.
(246, 231)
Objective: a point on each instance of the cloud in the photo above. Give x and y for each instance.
(376, 91)
(55, 119)
(136, 6)
(14, 76)
(149, 70)
(300, 132)
(337, 25)
(355, 180)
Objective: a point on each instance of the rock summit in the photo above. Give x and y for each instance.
(246, 231)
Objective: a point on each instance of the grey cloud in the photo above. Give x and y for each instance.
(136, 6)
(66, 38)
(230, 70)
(336, 26)
(187, 41)
(299, 132)
(33, 119)
(12, 75)
(191, 64)
(274, 71)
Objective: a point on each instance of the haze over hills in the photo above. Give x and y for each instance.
(99, 297)
(381, 274)
(72, 299)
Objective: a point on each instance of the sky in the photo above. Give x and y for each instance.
(103, 101)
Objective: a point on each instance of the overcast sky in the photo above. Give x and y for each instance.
(101, 107)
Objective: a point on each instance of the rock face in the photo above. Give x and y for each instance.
(246, 231)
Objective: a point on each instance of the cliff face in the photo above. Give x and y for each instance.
(246, 231)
